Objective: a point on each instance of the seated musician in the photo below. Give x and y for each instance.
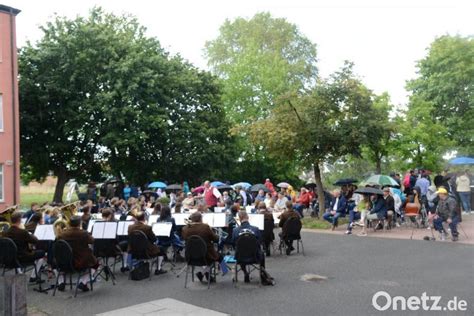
(268, 235)
(284, 217)
(35, 220)
(83, 257)
(198, 228)
(173, 239)
(121, 245)
(245, 227)
(34, 208)
(152, 249)
(23, 240)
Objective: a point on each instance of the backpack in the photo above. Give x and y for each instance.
(266, 278)
(141, 271)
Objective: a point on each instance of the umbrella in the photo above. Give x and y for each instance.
(369, 190)
(198, 189)
(224, 187)
(310, 185)
(345, 181)
(258, 187)
(217, 183)
(283, 185)
(149, 192)
(244, 185)
(462, 161)
(379, 179)
(112, 180)
(174, 187)
(157, 185)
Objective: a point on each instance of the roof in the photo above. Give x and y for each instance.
(7, 9)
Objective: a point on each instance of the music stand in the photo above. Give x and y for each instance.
(105, 234)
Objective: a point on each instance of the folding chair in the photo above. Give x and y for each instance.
(196, 255)
(246, 254)
(63, 257)
(138, 245)
(412, 211)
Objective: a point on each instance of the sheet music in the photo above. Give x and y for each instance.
(91, 224)
(249, 208)
(23, 220)
(256, 220)
(219, 209)
(208, 218)
(117, 217)
(122, 227)
(192, 210)
(276, 220)
(162, 229)
(45, 232)
(149, 210)
(152, 219)
(180, 218)
(110, 231)
(98, 230)
(220, 220)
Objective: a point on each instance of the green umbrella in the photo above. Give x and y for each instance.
(379, 179)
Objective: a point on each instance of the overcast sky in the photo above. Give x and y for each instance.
(383, 38)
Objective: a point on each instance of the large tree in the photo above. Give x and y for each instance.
(98, 96)
(320, 126)
(258, 60)
(446, 79)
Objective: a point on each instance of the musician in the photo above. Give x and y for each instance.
(198, 228)
(212, 196)
(83, 258)
(245, 227)
(34, 208)
(23, 241)
(269, 224)
(35, 220)
(188, 202)
(152, 249)
(120, 245)
(284, 217)
(165, 217)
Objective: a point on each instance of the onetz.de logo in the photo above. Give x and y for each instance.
(383, 301)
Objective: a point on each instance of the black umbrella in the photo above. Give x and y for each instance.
(345, 181)
(150, 193)
(310, 185)
(258, 187)
(224, 187)
(174, 187)
(369, 190)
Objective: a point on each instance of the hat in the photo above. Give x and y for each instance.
(442, 191)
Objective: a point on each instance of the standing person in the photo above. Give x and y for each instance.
(446, 212)
(463, 185)
(127, 191)
(212, 196)
(269, 185)
(241, 196)
(92, 191)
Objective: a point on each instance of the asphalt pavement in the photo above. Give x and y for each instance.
(352, 270)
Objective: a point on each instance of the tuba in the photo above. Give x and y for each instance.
(7, 213)
(59, 226)
(68, 211)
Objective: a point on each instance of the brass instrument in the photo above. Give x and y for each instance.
(68, 211)
(7, 213)
(59, 226)
(4, 226)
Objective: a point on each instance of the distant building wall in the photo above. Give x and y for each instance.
(9, 111)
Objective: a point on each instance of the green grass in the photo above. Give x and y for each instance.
(314, 223)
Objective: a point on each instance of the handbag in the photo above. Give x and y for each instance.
(140, 271)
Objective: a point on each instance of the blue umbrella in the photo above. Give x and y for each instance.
(462, 161)
(243, 185)
(217, 183)
(157, 185)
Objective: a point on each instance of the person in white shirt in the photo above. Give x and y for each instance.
(463, 186)
(280, 205)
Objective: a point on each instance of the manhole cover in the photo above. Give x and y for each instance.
(313, 278)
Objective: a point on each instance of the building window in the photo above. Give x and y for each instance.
(1, 183)
(1, 113)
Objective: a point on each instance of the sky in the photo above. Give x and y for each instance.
(384, 38)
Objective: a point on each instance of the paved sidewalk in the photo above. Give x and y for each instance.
(466, 231)
(163, 307)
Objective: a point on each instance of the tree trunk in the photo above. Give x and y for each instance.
(319, 187)
(63, 178)
(378, 166)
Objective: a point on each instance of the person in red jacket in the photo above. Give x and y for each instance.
(303, 201)
(269, 186)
